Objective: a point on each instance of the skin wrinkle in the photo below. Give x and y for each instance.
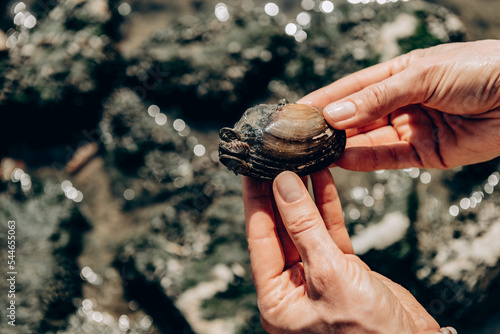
(431, 70)
(377, 92)
(476, 92)
(404, 122)
(493, 89)
(419, 159)
(393, 153)
(291, 279)
(472, 147)
(438, 141)
(319, 275)
(374, 155)
(305, 222)
(454, 124)
(367, 292)
(451, 125)
(436, 144)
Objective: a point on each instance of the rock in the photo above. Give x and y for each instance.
(58, 69)
(3, 42)
(48, 239)
(360, 36)
(203, 64)
(206, 275)
(186, 266)
(447, 257)
(393, 228)
(151, 152)
(245, 56)
(196, 220)
(458, 260)
(129, 129)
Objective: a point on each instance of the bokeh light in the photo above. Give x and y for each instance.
(326, 6)
(271, 9)
(303, 18)
(307, 4)
(153, 110)
(221, 12)
(291, 29)
(124, 9)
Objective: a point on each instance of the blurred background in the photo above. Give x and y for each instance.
(125, 221)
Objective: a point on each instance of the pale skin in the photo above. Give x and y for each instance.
(432, 108)
(307, 278)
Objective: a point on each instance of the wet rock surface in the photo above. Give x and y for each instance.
(57, 70)
(458, 259)
(145, 234)
(48, 233)
(179, 62)
(255, 57)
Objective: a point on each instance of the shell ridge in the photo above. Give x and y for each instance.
(273, 138)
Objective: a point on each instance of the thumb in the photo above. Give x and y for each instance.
(375, 101)
(303, 221)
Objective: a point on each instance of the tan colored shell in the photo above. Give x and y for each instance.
(272, 138)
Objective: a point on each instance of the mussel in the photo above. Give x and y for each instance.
(272, 138)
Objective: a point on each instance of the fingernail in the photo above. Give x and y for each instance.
(340, 111)
(289, 187)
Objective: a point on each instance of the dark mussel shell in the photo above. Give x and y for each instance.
(272, 138)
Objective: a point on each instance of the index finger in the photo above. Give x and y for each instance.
(328, 203)
(266, 255)
(356, 81)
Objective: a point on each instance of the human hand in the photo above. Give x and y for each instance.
(307, 278)
(433, 108)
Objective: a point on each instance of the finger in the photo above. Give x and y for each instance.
(303, 221)
(376, 101)
(266, 255)
(369, 158)
(381, 148)
(379, 123)
(380, 136)
(356, 81)
(289, 251)
(328, 203)
(413, 137)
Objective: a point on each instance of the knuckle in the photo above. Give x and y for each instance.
(414, 55)
(377, 95)
(304, 221)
